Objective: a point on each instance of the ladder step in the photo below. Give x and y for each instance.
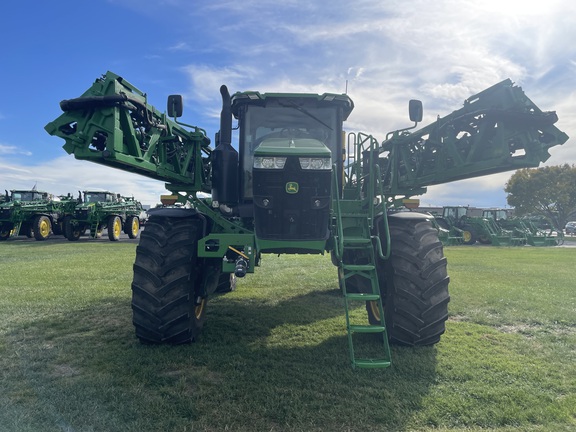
(372, 363)
(363, 297)
(367, 329)
(357, 240)
(358, 267)
(355, 215)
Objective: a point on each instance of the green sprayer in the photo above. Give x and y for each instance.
(297, 184)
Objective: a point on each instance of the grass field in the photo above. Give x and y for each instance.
(273, 355)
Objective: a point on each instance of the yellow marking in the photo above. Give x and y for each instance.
(238, 252)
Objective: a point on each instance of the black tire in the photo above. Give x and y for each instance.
(57, 228)
(132, 226)
(5, 230)
(226, 283)
(413, 284)
(166, 306)
(42, 227)
(484, 239)
(72, 231)
(114, 228)
(469, 236)
(26, 229)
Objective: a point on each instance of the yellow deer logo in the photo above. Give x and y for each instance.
(292, 187)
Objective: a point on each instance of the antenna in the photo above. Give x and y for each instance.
(346, 92)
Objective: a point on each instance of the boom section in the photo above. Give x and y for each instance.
(497, 130)
(112, 124)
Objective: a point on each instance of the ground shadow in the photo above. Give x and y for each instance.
(243, 370)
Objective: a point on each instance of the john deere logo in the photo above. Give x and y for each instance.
(292, 187)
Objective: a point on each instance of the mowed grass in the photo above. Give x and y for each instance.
(273, 355)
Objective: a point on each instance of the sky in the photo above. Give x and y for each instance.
(382, 53)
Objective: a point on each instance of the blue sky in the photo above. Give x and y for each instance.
(388, 51)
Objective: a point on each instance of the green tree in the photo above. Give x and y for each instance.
(547, 191)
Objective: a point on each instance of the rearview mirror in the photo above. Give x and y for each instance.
(415, 110)
(175, 106)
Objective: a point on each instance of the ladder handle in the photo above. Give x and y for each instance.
(385, 218)
(339, 243)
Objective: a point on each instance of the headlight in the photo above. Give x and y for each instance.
(315, 163)
(269, 162)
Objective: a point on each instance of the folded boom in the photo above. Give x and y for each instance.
(497, 130)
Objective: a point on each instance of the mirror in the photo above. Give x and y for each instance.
(415, 110)
(175, 106)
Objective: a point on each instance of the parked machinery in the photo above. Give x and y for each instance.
(523, 228)
(97, 210)
(32, 213)
(296, 185)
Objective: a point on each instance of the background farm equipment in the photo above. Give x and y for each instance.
(523, 228)
(292, 188)
(32, 213)
(98, 210)
(481, 229)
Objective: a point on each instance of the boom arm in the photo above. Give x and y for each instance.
(112, 124)
(497, 130)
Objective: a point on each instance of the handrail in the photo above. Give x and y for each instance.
(339, 244)
(384, 218)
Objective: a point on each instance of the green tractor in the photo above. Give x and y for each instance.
(481, 229)
(32, 213)
(523, 228)
(296, 184)
(98, 210)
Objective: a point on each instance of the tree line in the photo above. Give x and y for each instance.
(547, 191)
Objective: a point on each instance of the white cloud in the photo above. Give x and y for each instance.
(13, 150)
(385, 52)
(65, 175)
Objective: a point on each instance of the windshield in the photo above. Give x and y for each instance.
(92, 197)
(285, 120)
(26, 196)
(455, 212)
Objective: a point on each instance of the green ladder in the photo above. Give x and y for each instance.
(357, 241)
(15, 231)
(94, 228)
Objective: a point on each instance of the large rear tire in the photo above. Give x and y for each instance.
(42, 228)
(5, 230)
(132, 226)
(165, 303)
(413, 284)
(71, 231)
(469, 236)
(114, 228)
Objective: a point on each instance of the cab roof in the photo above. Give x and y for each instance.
(302, 99)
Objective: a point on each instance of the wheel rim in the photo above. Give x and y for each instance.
(375, 310)
(117, 228)
(44, 228)
(135, 226)
(466, 236)
(199, 309)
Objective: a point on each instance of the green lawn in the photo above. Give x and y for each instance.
(273, 355)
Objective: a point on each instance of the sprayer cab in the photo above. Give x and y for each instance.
(288, 145)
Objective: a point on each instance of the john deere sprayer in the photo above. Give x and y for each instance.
(97, 210)
(297, 185)
(32, 213)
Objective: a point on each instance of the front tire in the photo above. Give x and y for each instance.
(413, 284)
(114, 228)
(71, 231)
(5, 230)
(42, 227)
(468, 235)
(165, 302)
(132, 226)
